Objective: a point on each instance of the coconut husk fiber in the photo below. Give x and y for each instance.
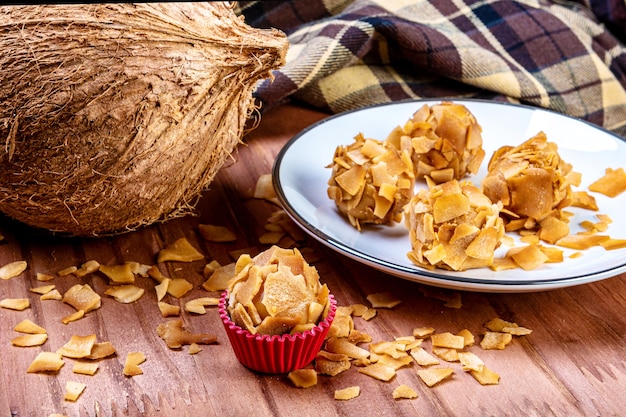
(114, 116)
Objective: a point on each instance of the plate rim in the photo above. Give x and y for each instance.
(415, 272)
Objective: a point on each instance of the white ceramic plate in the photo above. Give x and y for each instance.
(300, 177)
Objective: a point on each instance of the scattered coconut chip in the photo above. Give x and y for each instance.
(581, 242)
(209, 268)
(612, 184)
(468, 337)
(73, 390)
(612, 244)
(85, 367)
(118, 274)
(347, 393)
(342, 345)
(52, 295)
(264, 189)
(432, 377)
(78, 346)
(161, 288)
(404, 392)
(369, 314)
(30, 340)
(486, 376)
(181, 251)
(379, 371)
(12, 269)
(46, 362)
(383, 300)
(497, 324)
(194, 348)
(213, 233)
(101, 350)
(584, 200)
(44, 289)
(82, 297)
(220, 278)
(395, 363)
(271, 238)
(470, 361)
(18, 304)
(125, 293)
(67, 271)
(73, 317)
(44, 277)
(178, 287)
(198, 305)
(447, 354)
(27, 326)
(517, 331)
(332, 364)
(303, 378)
(87, 268)
(175, 336)
(448, 340)
(495, 340)
(168, 310)
(131, 365)
(423, 332)
(423, 358)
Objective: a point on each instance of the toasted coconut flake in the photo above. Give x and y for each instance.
(486, 376)
(432, 377)
(303, 378)
(220, 278)
(87, 268)
(265, 188)
(44, 277)
(131, 365)
(118, 274)
(178, 287)
(73, 317)
(73, 390)
(448, 340)
(18, 304)
(85, 367)
(82, 297)
(101, 350)
(27, 326)
(175, 335)
(168, 310)
(78, 346)
(379, 371)
(67, 271)
(12, 269)
(161, 288)
(44, 289)
(213, 233)
(181, 251)
(423, 358)
(447, 354)
(495, 340)
(471, 362)
(194, 349)
(46, 362)
(30, 340)
(404, 392)
(612, 184)
(347, 393)
(125, 293)
(383, 300)
(198, 305)
(423, 332)
(52, 295)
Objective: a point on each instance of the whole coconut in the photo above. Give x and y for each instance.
(114, 116)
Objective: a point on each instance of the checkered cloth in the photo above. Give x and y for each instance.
(564, 55)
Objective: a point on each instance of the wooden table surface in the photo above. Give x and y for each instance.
(573, 363)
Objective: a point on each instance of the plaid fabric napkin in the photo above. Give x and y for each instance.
(568, 56)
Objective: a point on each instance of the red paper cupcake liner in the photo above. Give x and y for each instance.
(276, 354)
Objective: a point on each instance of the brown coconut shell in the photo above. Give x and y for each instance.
(114, 116)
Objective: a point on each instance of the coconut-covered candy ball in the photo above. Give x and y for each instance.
(371, 181)
(531, 180)
(446, 141)
(453, 226)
